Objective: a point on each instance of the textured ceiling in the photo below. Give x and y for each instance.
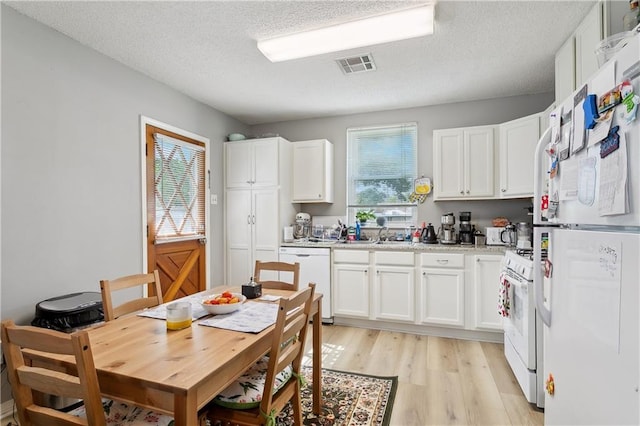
(207, 50)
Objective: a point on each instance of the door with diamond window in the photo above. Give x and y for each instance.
(176, 211)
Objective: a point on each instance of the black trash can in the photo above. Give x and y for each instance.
(68, 313)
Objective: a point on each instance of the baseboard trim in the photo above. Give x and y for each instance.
(6, 410)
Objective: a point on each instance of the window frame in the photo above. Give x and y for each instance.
(409, 207)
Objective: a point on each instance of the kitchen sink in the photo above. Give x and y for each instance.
(394, 243)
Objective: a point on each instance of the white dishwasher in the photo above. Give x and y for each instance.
(315, 267)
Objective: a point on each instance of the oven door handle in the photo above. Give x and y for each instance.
(538, 281)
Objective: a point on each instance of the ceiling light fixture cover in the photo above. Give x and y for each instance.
(400, 25)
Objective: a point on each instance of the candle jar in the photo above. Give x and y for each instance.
(179, 315)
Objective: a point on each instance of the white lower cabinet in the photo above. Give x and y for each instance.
(455, 291)
(486, 283)
(394, 286)
(441, 289)
(350, 292)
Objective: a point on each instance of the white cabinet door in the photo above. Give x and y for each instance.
(565, 67)
(518, 140)
(250, 232)
(486, 275)
(239, 246)
(463, 161)
(265, 162)
(479, 159)
(351, 290)
(312, 180)
(587, 36)
(251, 163)
(441, 297)
(266, 237)
(394, 293)
(448, 151)
(238, 160)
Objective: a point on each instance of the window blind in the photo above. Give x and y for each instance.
(179, 187)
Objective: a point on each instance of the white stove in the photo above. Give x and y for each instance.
(522, 326)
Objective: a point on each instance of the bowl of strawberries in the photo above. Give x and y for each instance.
(223, 303)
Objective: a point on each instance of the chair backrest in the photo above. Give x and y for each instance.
(287, 347)
(154, 291)
(25, 379)
(294, 268)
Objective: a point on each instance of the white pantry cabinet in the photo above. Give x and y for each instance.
(518, 140)
(486, 284)
(463, 163)
(257, 203)
(312, 180)
(441, 289)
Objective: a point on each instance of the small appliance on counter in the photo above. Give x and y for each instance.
(447, 234)
(508, 235)
(492, 234)
(524, 231)
(429, 235)
(466, 232)
(302, 227)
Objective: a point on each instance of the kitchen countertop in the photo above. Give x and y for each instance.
(395, 246)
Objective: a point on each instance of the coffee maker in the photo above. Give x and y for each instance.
(302, 227)
(466, 233)
(447, 229)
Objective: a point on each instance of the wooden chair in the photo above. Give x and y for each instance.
(294, 268)
(107, 287)
(245, 401)
(83, 384)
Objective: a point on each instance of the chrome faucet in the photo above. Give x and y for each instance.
(386, 235)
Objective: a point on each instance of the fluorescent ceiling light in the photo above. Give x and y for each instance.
(404, 24)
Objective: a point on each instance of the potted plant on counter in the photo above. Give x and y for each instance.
(364, 215)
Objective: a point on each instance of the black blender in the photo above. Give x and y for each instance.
(466, 231)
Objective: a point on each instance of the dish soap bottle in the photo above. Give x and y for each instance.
(631, 18)
(357, 230)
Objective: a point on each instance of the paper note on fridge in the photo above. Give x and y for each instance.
(569, 181)
(612, 192)
(593, 281)
(602, 83)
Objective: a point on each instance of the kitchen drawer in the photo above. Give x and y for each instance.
(400, 258)
(350, 256)
(442, 260)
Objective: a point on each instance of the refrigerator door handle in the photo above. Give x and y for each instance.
(538, 179)
(538, 280)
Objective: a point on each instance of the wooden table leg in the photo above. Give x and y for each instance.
(185, 409)
(317, 359)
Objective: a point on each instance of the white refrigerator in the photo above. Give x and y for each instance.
(587, 243)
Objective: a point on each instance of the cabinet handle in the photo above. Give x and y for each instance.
(366, 271)
(248, 219)
(253, 219)
(467, 191)
(504, 190)
(443, 261)
(424, 274)
(462, 192)
(319, 195)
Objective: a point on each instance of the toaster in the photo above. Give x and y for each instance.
(493, 236)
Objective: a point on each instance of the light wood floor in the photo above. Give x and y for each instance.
(440, 381)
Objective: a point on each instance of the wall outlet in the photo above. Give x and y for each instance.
(214, 199)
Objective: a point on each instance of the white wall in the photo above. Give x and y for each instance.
(492, 111)
(71, 189)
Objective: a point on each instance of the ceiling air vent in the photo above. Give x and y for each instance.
(356, 64)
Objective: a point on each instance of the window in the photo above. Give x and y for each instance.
(179, 187)
(381, 168)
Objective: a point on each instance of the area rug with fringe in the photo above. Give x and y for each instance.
(348, 399)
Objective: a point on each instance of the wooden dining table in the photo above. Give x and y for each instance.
(178, 372)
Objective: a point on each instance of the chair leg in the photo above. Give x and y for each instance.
(296, 404)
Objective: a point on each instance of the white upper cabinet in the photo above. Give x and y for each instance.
(463, 162)
(518, 140)
(576, 60)
(252, 163)
(312, 180)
